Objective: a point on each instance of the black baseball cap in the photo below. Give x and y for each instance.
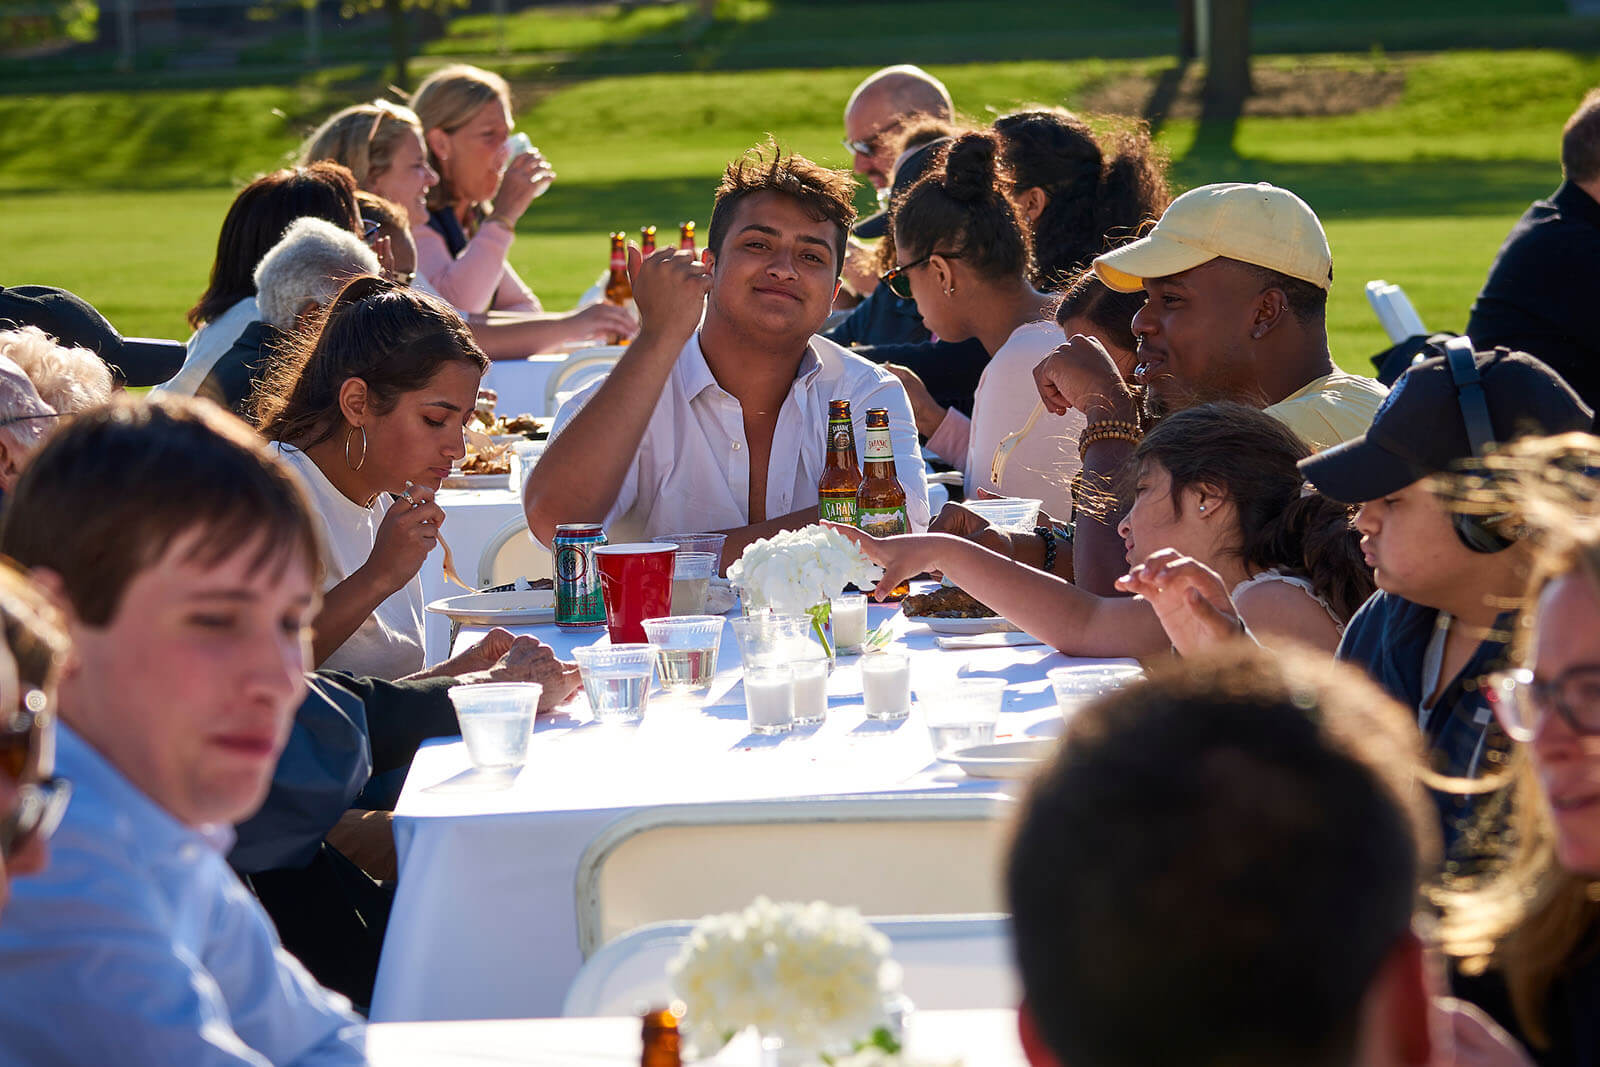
(907, 174)
(1420, 429)
(73, 321)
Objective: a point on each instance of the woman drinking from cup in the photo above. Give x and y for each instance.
(369, 410)
(1217, 483)
(382, 145)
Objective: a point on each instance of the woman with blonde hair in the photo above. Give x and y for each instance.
(382, 145)
(465, 114)
(1528, 942)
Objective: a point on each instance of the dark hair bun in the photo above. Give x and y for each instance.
(969, 167)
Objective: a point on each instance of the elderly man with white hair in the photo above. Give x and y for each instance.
(25, 421)
(69, 379)
(298, 277)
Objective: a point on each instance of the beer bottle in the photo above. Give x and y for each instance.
(836, 490)
(661, 1039)
(880, 500)
(686, 235)
(647, 239)
(619, 290)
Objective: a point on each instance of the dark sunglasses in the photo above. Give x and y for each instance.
(895, 277)
(41, 804)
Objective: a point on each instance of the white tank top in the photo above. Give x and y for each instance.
(1272, 574)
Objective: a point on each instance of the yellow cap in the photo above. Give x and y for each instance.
(1258, 224)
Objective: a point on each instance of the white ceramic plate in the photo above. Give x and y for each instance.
(457, 480)
(993, 625)
(521, 606)
(1004, 759)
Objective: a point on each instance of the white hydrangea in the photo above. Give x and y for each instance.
(794, 570)
(812, 974)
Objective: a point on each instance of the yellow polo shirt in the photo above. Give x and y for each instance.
(1331, 409)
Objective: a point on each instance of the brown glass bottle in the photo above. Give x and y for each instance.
(686, 236)
(841, 475)
(880, 499)
(647, 240)
(619, 290)
(661, 1039)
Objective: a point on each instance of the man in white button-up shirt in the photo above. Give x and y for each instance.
(715, 418)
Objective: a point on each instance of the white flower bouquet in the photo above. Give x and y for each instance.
(795, 572)
(814, 976)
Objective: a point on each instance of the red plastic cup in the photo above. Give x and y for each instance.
(636, 583)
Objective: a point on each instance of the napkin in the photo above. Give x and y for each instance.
(1001, 639)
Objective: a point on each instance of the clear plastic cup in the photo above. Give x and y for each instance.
(847, 621)
(769, 698)
(962, 714)
(1007, 512)
(691, 576)
(767, 638)
(496, 721)
(687, 662)
(616, 679)
(886, 686)
(810, 689)
(697, 542)
(1077, 686)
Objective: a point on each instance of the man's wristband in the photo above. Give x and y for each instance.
(1108, 430)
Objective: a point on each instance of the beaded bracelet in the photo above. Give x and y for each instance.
(1108, 430)
(1047, 534)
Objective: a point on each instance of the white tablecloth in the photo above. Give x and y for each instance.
(521, 383)
(471, 519)
(978, 1038)
(484, 923)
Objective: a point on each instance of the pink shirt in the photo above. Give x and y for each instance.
(477, 277)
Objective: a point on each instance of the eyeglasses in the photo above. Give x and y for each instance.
(23, 751)
(869, 146)
(895, 277)
(1521, 701)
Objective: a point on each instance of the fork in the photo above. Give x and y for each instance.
(1002, 451)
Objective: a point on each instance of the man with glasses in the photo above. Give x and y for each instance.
(715, 417)
(33, 648)
(1450, 585)
(881, 106)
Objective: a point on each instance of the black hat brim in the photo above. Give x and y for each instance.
(872, 227)
(1359, 470)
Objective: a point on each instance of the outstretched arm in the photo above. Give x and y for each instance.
(1055, 611)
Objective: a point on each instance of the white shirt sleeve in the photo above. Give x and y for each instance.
(628, 492)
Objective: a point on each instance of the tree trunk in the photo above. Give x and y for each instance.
(1188, 47)
(399, 42)
(1228, 56)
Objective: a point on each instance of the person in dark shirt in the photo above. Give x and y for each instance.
(1449, 585)
(1541, 287)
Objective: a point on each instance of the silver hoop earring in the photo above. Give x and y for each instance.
(358, 464)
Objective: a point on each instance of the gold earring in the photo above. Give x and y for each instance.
(358, 464)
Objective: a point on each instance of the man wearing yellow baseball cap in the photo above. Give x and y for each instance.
(1237, 279)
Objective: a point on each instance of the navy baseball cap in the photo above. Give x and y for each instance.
(1421, 429)
(907, 174)
(73, 321)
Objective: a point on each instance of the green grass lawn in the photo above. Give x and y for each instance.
(118, 195)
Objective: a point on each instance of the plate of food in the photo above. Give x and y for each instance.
(1004, 759)
(951, 610)
(509, 608)
(457, 480)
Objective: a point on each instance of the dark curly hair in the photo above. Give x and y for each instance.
(1098, 189)
(959, 207)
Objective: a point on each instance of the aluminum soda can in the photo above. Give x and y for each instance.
(579, 604)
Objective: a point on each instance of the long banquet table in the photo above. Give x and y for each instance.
(484, 923)
(976, 1038)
